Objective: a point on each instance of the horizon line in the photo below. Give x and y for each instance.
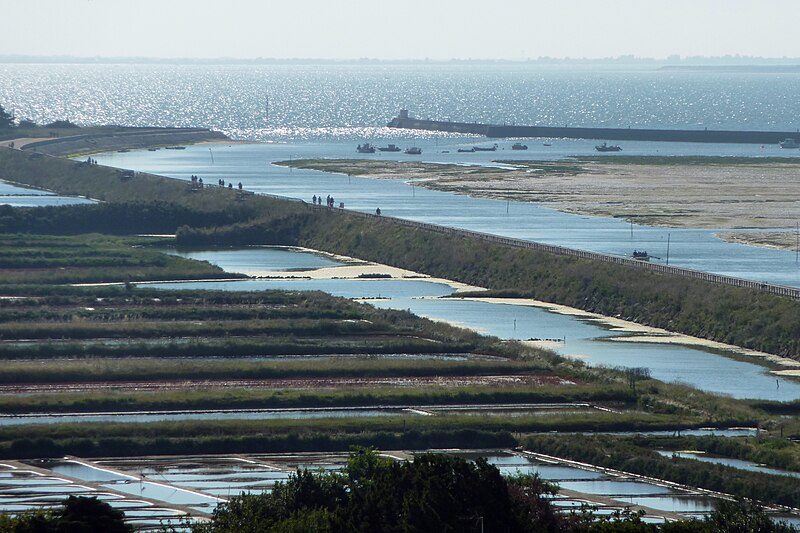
(620, 59)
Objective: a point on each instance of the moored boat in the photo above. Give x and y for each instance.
(466, 150)
(519, 146)
(493, 148)
(607, 148)
(413, 151)
(365, 148)
(389, 148)
(789, 143)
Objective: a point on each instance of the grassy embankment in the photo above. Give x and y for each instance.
(736, 316)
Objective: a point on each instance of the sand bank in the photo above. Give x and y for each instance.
(633, 332)
(358, 269)
(676, 193)
(628, 331)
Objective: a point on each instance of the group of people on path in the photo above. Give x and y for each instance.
(221, 183)
(198, 182)
(315, 200)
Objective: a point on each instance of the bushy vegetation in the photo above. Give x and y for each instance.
(440, 493)
(772, 451)
(77, 514)
(635, 456)
(114, 218)
(6, 120)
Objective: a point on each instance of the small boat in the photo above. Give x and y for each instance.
(519, 146)
(365, 148)
(413, 151)
(641, 255)
(175, 147)
(607, 148)
(484, 149)
(390, 148)
(547, 144)
(466, 150)
(789, 143)
(152, 149)
(123, 151)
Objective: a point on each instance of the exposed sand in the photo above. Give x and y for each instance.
(629, 331)
(755, 194)
(357, 269)
(633, 332)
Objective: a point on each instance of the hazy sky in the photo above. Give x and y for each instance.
(404, 29)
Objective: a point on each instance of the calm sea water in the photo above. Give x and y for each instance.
(306, 102)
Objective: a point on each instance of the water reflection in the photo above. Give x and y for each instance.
(17, 196)
(257, 260)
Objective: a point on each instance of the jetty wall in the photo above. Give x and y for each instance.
(607, 134)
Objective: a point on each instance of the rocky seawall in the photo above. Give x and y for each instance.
(608, 134)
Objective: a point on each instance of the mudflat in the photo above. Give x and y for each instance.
(722, 193)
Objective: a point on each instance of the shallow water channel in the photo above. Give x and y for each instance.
(581, 338)
(251, 164)
(17, 196)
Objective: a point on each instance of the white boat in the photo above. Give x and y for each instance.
(789, 143)
(413, 151)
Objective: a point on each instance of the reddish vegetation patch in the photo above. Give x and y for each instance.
(291, 383)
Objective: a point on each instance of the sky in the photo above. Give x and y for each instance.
(407, 29)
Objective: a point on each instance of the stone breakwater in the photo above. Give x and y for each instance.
(608, 134)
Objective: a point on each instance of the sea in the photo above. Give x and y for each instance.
(322, 102)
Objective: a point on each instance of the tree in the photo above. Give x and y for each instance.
(6, 120)
(636, 374)
(78, 515)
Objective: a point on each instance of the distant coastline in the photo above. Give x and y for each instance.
(757, 69)
(745, 63)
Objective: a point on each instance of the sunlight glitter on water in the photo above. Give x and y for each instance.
(305, 101)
